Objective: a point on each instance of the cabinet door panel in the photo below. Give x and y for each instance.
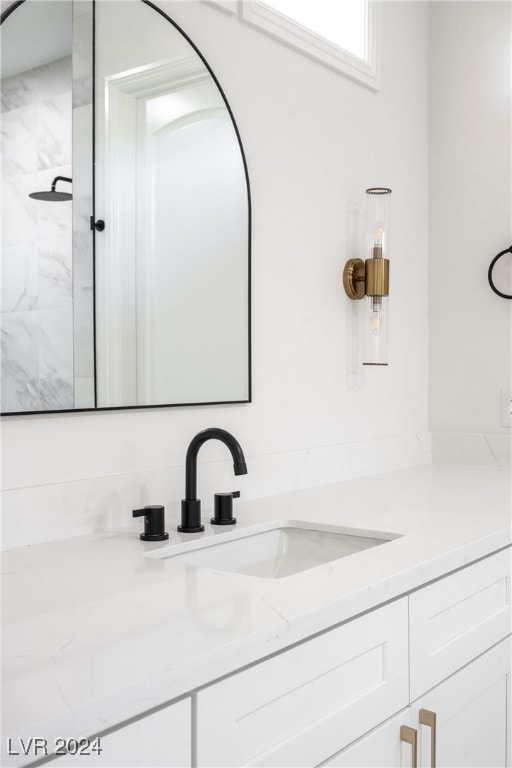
(381, 747)
(307, 703)
(471, 711)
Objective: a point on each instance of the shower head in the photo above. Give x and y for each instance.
(53, 195)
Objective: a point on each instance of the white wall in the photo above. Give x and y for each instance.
(314, 141)
(470, 222)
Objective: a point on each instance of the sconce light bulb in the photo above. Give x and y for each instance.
(378, 238)
(375, 318)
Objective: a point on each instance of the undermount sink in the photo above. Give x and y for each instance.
(274, 550)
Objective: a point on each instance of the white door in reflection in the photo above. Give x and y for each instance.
(192, 217)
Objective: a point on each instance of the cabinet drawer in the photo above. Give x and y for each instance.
(307, 703)
(163, 738)
(457, 618)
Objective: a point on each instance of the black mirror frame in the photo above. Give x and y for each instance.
(3, 17)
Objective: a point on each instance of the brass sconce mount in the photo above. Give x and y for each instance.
(366, 278)
(354, 278)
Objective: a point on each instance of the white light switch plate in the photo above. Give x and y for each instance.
(506, 407)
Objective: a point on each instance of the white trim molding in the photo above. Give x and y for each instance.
(275, 24)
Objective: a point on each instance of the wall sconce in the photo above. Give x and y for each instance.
(370, 278)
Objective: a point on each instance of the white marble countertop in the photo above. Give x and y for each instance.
(95, 633)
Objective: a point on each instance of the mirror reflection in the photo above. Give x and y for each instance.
(128, 286)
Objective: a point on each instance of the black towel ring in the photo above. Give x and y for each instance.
(489, 273)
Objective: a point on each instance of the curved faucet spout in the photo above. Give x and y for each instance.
(213, 433)
(191, 505)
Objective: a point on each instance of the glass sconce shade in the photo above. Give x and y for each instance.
(378, 209)
(377, 277)
(376, 331)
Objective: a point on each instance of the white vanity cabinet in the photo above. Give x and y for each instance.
(456, 626)
(442, 652)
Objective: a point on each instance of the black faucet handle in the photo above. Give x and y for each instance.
(223, 508)
(154, 523)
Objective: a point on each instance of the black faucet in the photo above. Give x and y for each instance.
(191, 506)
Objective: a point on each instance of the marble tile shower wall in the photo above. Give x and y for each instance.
(37, 311)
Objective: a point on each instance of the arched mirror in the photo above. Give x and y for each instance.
(126, 209)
